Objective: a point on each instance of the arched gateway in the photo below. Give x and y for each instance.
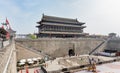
(71, 52)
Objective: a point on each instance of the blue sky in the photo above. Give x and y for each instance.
(100, 16)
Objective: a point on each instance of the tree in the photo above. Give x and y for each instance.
(32, 36)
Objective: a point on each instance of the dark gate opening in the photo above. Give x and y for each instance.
(71, 52)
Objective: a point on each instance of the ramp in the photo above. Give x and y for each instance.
(25, 53)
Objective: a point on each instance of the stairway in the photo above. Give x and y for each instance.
(97, 47)
(24, 52)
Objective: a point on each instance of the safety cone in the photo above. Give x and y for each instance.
(20, 71)
(34, 71)
(27, 71)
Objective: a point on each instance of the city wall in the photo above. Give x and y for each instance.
(114, 44)
(8, 59)
(57, 47)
